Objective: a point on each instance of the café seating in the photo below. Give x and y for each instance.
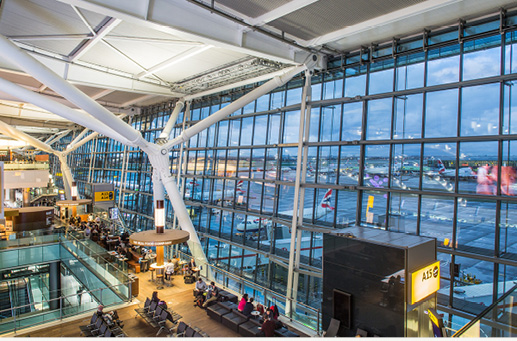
(250, 328)
(284, 332)
(233, 319)
(216, 311)
(227, 296)
(134, 261)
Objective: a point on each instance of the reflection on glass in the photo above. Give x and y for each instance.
(376, 166)
(405, 166)
(374, 209)
(511, 53)
(508, 173)
(403, 213)
(478, 168)
(327, 165)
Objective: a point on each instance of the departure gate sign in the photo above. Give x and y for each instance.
(425, 281)
(104, 196)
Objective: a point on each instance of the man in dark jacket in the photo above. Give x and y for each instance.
(248, 308)
(212, 294)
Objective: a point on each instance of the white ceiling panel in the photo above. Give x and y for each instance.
(200, 63)
(100, 54)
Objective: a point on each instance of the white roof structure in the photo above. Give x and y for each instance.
(126, 54)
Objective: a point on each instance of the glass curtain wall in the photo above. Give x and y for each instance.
(415, 136)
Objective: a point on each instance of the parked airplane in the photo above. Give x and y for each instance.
(252, 224)
(463, 173)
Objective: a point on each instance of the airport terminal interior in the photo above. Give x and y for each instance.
(248, 168)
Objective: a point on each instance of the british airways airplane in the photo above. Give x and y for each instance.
(254, 224)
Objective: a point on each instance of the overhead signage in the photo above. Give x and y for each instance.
(425, 281)
(105, 196)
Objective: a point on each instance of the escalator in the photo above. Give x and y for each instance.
(5, 301)
(21, 296)
(13, 294)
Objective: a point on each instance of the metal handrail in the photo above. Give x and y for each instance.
(484, 312)
(61, 316)
(274, 294)
(99, 255)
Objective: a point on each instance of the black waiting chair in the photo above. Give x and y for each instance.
(189, 332)
(182, 326)
(152, 308)
(145, 309)
(333, 328)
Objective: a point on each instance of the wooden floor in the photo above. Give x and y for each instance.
(178, 297)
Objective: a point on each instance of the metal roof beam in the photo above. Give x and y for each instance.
(280, 11)
(85, 46)
(188, 21)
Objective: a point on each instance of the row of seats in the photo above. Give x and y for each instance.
(184, 330)
(157, 317)
(227, 314)
(99, 328)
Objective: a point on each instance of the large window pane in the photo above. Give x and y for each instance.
(374, 208)
(407, 123)
(475, 231)
(443, 66)
(437, 218)
(403, 213)
(405, 166)
(480, 110)
(378, 125)
(352, 121)
(439, 169)
(441, 113)
(481, 156)
(482, 61)
(376, 166)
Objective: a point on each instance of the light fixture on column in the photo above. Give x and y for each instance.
(73, 190)
(159, 216)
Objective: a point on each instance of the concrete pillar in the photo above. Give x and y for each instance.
(54, 284)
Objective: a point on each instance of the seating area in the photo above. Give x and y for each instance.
(157, 317)
(99, 327)
(185, 330)
(226, 313)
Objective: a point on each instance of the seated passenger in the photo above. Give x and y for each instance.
(248, 308)
(243, 302)
(200, 288)
(169, 270)
(212, 294)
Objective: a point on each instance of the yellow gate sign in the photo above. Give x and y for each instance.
(105, 196)
(425, 281)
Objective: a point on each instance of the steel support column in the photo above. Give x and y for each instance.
(298, 201)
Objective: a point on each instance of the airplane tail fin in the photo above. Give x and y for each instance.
(239, 186)
(325, 202)
(441, 167)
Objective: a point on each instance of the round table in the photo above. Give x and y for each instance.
(160, 270)
(255, 313)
